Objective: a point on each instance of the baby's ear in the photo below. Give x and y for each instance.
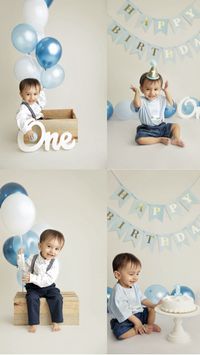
(117, 275)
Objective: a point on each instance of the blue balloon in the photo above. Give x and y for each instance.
(9, 189)
(170, 111)
(24, 38)
(184, 290)
(53, 77)
(188, 108)
(155, 293)
(30, 241)
(109, 110)
(48, 52)
(10, 249)
(48, 2)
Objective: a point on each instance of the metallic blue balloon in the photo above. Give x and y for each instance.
(24, 38)
(9, 189)
(10, 249)
(184, 290)
(48, 52)
(170, 111)
(155, 293)
(48, 2)
(109, 110)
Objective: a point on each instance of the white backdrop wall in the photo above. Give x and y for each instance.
(125, 69)
(73, 202)
(168, 267)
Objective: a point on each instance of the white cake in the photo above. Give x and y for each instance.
(178, 304)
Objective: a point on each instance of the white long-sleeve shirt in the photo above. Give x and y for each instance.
(124, 302)
(40, 276)
(24, 113)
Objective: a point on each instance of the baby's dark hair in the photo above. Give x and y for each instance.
(144, 77)
(121, 260)
(29, 82)
(52, 234)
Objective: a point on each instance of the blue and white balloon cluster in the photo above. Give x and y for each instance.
(28, 37)
(18, 216)
(155, 293)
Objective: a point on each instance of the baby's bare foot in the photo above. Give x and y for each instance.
(177, 142)
(32, 328)
(156, 328)
(55, 327)
(164, 140)
(149, 328)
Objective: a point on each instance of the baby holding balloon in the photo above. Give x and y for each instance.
(39, 273)
(126, 301)
(33, 101)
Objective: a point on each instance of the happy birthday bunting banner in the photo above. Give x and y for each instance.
(144, 49)
(177, 207)
(129, 232)
(161, 25)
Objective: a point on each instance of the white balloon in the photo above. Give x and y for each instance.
(18, 213)
(122, 111)
(27, 67)
(36, 13)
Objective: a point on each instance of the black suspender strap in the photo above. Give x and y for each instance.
(33, 264)
(50, 264)
(29, 108)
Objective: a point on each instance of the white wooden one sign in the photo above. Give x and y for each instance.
(49, 139)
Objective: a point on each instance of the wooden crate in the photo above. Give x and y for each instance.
(70, 309)
(58, 120)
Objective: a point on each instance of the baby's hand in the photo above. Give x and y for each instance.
(30, 135)
(166, 85)
(26, 278)
(20, 251)
(134, 89)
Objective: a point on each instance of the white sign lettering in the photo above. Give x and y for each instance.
(49, 139)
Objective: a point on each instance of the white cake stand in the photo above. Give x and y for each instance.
(178, 335)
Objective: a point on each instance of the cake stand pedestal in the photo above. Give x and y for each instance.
(178, 335)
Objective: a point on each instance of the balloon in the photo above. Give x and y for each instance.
(53, 77)
(24, 38)
(123, 112)
(184, 290)
(109, 292)
(155, 293)
(170, 111)
(9, 189)
(35, 13)
(188, 107)
(109, 110)
(18, 213)
(31, 240)
(27, 67)
(11, 247)
(48, 2)
(48, 52)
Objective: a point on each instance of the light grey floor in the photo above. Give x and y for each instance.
(123, 153)
(87, 154)
(156, 343)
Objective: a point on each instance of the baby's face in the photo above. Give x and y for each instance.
(129, 274)
(151, 89)
(50, 248)
(30, 94)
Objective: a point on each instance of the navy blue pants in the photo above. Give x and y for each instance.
(54, 300)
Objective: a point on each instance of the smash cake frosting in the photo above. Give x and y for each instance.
(178, 304)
